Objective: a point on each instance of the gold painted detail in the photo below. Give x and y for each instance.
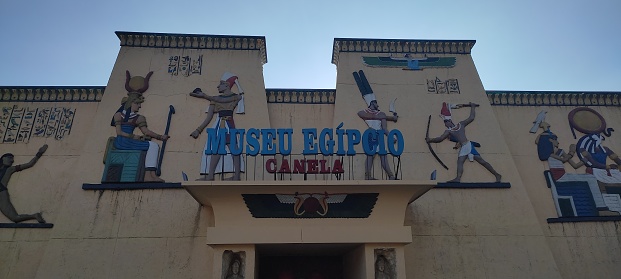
(51, 94)
(193, 41)
(301, 96)
(553, 98)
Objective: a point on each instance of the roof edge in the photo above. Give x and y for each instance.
(193, 41)
(399, 46)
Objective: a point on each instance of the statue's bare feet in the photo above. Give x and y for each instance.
(154, 179)
(39, 218)
(202, 178)
(454, 180)
(498, 177)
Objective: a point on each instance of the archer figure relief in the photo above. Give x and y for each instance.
(126, 120)
(6, 171)
(457, 134)
(375, 120)
(222, 107)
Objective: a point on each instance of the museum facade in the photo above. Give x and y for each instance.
(185, 166)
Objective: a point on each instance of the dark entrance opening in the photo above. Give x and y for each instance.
(302, 261)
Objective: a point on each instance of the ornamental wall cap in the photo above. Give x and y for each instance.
(300, 96)
(553, 98)
(390, 46)
(193, 41)
(51, 93)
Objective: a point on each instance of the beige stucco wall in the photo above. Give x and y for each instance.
(458, 233)
(131, 233)
(581, 250)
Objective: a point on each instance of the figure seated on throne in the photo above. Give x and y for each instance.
(129, 157)
(125, 121)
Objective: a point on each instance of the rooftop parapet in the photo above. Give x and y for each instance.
(193, 41)
(400, 46)
(51, 93)
(553, 98)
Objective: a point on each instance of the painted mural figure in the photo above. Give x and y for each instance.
(547, 149)
(457, 133)
(594, 155)
(589, 147)
(125, 121)
(376, 120)
(6, 171)
(223, 106)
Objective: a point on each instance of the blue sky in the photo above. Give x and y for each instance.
(521, 45)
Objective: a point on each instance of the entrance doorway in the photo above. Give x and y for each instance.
(303, 261)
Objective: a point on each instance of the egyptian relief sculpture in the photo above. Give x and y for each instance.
(234, 271)
(375, 120)
(382, 268)
(130, 157)
(6, 171)
(222, 106)
(594, 192)
(233, 265)
(457, 133)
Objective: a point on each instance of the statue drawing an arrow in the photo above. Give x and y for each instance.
(457, 133)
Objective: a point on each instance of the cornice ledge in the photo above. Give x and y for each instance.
(194, 41)
(51, 93)
(400, 46)
(553, 98)
(300, 96)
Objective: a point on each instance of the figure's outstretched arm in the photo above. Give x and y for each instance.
(203, 125)
(34, 160)
(440, 138)
(472, 114)
(587, 158)
(147, 132)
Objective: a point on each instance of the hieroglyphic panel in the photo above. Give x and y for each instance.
(53, 122)
(65, 123)
(440, 86)
(4, 121)
(453, 86)
(13, 124)
(437, 86)
(40, 122)
(185, 65)
(25, 129)
(173, 65)
(17, 125)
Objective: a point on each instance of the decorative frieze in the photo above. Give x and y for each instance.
(400, 46)
(51, 93)
(301, 96)
(193, 41)
(553, 98)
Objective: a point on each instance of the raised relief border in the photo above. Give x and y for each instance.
(193, 41)
(391, 46)
(300, 96)
(51, 93)
(553, 98)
